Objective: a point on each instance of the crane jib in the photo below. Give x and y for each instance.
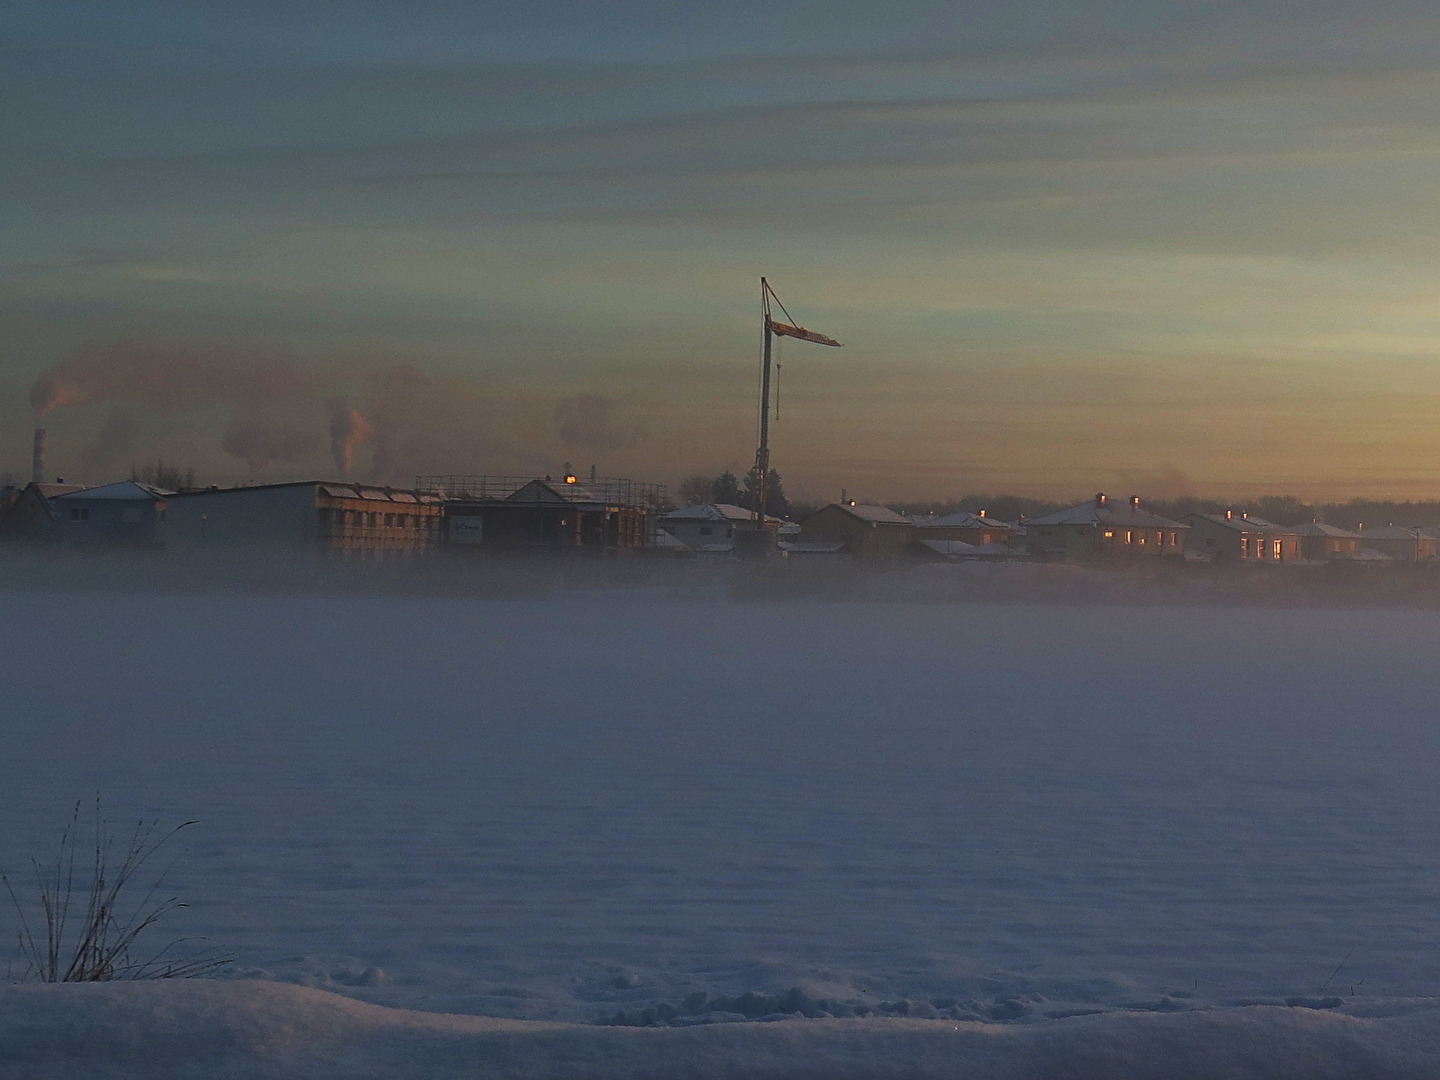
(786, 330)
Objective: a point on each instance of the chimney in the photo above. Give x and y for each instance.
(1099, 498)
(982, 513)
(1134, 503)
(37, 457)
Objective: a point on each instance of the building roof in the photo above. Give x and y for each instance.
(54, 491)
(1390, 532)
(866, 512)
(1119, 512)
(812, 547)
(1319, 528)
(125, 490)
(336, 489)
(1241, 522)
(962, 520)
(713, 512)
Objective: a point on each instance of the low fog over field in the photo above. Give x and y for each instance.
(573, 807)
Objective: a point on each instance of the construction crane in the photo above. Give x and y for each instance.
(773, 329)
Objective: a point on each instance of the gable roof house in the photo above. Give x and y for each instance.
(871, 532)
(29, 514)
(1240, 537)
(1320, 542)
(976, 529)
(1104, 528)
(1399, 542)
(709, 527)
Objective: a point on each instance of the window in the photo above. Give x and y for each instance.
(1174, 539)
(705, 530)
(78, 514)
(1279, 548)
(1129, 536)
(1109, 534)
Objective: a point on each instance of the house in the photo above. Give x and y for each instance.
(323, 515)
(1240, 537)
(977, 529)
(866, 531)
(124, 514)
(1320, 542)
(1104, 527)
(598, 515)
(1400, 543)
(710, 526)
(28, 515)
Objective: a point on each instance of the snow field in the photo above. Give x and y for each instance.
(205, 1030)
(578, 808)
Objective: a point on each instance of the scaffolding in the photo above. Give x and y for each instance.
(611, 491)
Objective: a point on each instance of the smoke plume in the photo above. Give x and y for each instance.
(259, 442)
(348, 429)
(596, 422)
(163, 376)
(115, 442)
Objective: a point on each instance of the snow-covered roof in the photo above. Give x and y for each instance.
(54, 491)
(1319, 528)
(1110, 512)
(667, 541)
(1239, 522)
(1390, 532)
(126, 490)
(712, 512)
(866, 512)
(964, 519)
(812, 547)
(950, 548)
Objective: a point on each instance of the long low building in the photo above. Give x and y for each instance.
(327, 515)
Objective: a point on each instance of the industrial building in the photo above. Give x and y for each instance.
(324, 515)
(527, 514)
(127, 514)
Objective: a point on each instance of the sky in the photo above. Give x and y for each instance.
(1069, 245)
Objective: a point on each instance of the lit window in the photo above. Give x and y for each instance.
(1129, 536)
(1109, 534)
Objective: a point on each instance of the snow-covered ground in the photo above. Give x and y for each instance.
(588, 806)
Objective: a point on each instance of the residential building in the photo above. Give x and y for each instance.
(1399, 542)
(866, 531)
(977, 529)
(1104, 527)
(709, 526)
(1240, 537)
(28, 515)
(1320, 542)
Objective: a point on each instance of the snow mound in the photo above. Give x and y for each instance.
(221, 1030)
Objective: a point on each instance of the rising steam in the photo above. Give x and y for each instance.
(348, 429)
